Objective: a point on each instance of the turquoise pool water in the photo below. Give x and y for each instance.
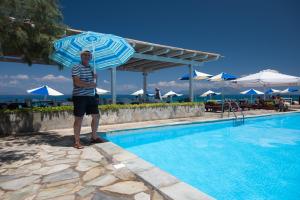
(258, 160)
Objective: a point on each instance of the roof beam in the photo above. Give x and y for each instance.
(165, 59)
(141, 62)
(146, 49)
(189, 55)
(151, 68)
(201, 57)
(137, 63)
(161, 52)
(175, 53)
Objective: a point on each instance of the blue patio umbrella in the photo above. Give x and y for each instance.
(252, 92)
(196, 75)
(107, 50)
(223, 77)
(289, 90)
(272, 91)
(45, 90)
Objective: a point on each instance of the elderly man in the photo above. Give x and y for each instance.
(84, 98)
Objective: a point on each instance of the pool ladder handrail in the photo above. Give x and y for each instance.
(232, 109)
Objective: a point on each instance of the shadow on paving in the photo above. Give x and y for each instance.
(17, 148)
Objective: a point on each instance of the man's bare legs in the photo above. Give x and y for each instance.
(77, 128)
(94, 125)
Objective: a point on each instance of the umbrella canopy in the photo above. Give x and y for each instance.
(107, 50)
(101, 91)
(139, 92)
(222, 77)
(289, 90)
(210, 93)
(252, 92)
(44, 90)
(272, 91)
(171, 94)
(196, 76)
(268, 78)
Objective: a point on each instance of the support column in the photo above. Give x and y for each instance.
(145, 74)
(191, 86)
(113, 84)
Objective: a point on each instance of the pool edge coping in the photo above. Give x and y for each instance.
(166, 184)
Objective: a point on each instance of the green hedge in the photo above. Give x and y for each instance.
(113, 107)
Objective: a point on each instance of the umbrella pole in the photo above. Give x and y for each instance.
(222, 101)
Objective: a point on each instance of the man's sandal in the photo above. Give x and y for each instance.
(78, 146)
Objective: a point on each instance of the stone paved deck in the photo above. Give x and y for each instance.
(46, 166)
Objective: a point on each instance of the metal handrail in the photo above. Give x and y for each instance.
(231, 109)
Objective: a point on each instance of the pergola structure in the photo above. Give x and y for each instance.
(150, 57)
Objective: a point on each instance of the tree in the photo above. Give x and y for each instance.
(28, 28)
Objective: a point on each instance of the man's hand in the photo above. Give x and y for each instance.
(83, 84)
(93, 85)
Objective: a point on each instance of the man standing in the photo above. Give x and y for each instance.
(84, 98)
(157, 96)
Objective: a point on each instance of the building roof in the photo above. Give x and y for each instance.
(149, 57)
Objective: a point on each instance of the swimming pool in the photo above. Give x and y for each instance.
(258, 160)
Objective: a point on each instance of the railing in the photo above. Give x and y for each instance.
(237, 120)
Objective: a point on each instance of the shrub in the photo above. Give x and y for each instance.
(113, 107)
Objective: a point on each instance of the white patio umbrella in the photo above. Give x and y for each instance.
(45, 90)
(101, 91)
(210, 93)
(267, 78)
(139, 92)
(252, 92)
(171, 94)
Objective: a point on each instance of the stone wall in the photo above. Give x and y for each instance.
(38, 121)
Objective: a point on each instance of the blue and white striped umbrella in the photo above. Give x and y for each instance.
(107, 50)
(222, 77)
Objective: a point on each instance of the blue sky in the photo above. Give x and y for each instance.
(251, 35)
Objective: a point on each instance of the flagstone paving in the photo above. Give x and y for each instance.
(53, 169)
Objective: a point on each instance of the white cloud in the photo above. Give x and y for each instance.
(106, 81)
(20, 77)
(126, 87)
(15, 77)
(13, 82)
(53, 78)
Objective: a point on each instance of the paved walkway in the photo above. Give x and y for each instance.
(46, 166)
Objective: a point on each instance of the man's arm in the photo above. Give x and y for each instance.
(79, 83)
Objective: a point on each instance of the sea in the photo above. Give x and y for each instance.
(130, 98)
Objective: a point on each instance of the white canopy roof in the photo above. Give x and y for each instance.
(101, 91)
(171, 93)
(268, 78)
(210, 92)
